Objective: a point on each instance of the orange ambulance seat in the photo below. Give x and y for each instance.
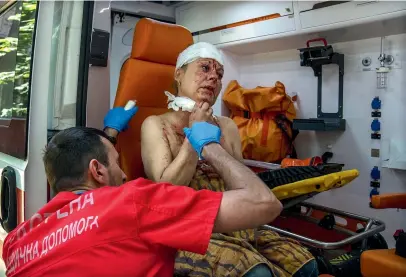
(382, 262)
(144, 77)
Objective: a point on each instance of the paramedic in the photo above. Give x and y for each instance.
(98, 226)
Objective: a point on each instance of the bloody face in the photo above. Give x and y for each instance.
(201, 81)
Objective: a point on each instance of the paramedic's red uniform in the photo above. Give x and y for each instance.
(131, 230)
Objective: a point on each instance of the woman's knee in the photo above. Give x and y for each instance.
(261, 270)
(309, 269)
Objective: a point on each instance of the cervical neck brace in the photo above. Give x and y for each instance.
(178, 102)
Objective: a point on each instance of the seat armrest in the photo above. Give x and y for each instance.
(389, 200)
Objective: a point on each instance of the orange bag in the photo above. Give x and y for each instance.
(264, 118)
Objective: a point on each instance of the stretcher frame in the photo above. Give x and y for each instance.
(372, 226)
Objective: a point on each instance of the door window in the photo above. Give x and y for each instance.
(16, 43)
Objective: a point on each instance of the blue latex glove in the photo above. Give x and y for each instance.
(202, 133)
(118, 118)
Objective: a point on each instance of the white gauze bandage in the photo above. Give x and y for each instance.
(192, 53)
(200, 50)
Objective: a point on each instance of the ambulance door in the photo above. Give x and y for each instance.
(17, 24)
(42, 81)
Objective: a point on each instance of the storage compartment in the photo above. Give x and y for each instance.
(346, 11)
(313, 5)
(199, 16)
(254, 30)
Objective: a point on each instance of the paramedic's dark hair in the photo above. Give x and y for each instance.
(68, 154)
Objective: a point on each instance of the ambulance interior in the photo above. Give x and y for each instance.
(342, 65)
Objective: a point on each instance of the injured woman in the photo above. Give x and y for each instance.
(168, 157)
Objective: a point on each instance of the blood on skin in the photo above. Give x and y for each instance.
(208, 78)
(175, 131)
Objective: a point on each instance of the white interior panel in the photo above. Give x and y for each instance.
(308, 5)
(199, 16)
(348, 11)
(121, 43)
(353, 146)
(259, 29)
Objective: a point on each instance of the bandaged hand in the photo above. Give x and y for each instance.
(201, 134)
(118, 118)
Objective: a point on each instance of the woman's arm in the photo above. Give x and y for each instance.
(231, 134)
(159, 164)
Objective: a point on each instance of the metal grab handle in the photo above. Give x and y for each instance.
(8, 199)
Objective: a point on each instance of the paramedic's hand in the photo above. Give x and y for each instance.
(201, 112)
(118, 118)
(201, 134)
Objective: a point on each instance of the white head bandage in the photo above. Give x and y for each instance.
(190, 54)
(199, 50)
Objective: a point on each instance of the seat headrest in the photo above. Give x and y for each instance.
(159, 42)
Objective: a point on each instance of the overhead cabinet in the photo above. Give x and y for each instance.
(321, 13)
(221, 22)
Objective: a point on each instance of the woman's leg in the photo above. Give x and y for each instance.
(261, 270)
(310, 269)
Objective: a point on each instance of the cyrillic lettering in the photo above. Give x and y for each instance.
(94, 223)
(60, 215)
(44, 246)
(14, 260)
(51, 237)
(72, 229)
(80, 230)
(35, 251)
(22, 252)
(46, 215)
(65, 232)
(87, 222)
(21, 232)
(88, 199)
(33, 218)
(28, 253)
(77, 201)
(58, 238)
(17, 258)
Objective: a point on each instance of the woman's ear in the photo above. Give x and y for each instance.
(179, 74)
(98, 173)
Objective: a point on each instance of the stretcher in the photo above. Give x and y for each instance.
(336, 238)
(149, 72)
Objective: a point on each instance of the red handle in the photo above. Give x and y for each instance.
(316, 39)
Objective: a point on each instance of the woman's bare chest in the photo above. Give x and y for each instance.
(175, 138)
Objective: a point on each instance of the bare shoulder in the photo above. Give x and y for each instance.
(227, 125)
(151, 125)
(152, 121)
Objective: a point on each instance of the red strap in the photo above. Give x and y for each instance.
(265, 128)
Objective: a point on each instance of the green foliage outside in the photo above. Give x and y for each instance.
(21, 47)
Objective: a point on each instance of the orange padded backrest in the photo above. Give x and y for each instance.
(144, 77)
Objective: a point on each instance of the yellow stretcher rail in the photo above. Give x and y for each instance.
(317, 184)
